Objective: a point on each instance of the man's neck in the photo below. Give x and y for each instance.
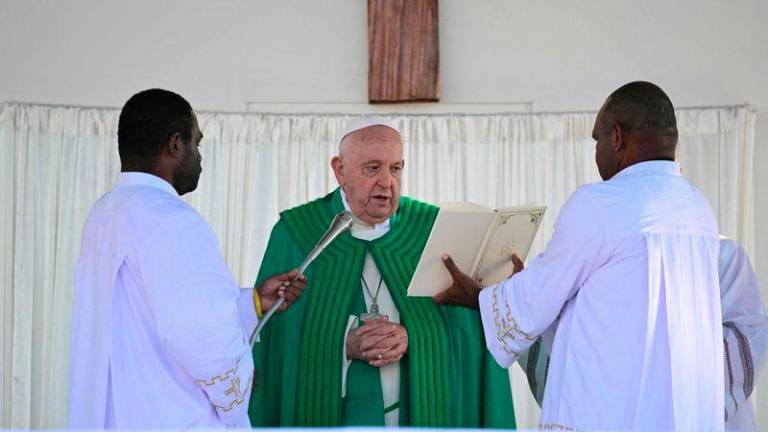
(362, 229)
(163, 174)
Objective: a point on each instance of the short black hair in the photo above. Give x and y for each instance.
(147, 122)
(645, 109)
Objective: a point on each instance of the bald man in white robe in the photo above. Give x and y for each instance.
(631, 274)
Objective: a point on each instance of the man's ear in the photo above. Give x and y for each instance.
(176, 146)
(619, 137)
(338, 169)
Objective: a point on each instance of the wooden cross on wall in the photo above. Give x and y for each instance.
(403, 51)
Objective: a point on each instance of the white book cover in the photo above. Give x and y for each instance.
(479, 240)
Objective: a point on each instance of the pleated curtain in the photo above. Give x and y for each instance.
(56, 161)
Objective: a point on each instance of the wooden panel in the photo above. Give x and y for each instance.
(403, 51)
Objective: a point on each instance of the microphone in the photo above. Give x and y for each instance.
(340, 223)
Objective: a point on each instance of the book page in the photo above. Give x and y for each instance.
(513, 231)
(459, 233)
(468, 207)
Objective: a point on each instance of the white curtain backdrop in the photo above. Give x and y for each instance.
(56, 161)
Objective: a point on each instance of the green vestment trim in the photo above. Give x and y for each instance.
(448, 378)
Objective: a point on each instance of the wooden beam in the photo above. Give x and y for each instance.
(403, 51)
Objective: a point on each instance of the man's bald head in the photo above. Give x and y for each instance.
(636, 123)
(369, 135)
(643, 108)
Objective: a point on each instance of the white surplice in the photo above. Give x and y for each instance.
(159, 326)
(745, 335)
(631, 274)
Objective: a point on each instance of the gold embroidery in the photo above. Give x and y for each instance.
(234, 388)
(221, 378)
(239, 396)
(230, 407)
(515, 326)
(503, 328)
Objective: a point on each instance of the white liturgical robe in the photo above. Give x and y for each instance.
(159, 327)
(631, 272)
(745, 335)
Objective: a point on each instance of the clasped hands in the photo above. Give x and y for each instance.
(378, 342)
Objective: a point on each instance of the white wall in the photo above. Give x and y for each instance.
(560, 55)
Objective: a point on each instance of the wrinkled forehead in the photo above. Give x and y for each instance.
(373, 143)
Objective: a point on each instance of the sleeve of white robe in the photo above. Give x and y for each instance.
(195, 303)
(745, 325)
(535, 362)
(247, 308)
(517, 310)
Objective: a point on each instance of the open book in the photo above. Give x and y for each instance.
(479, 240)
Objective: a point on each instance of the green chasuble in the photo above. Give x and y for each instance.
(448, 378)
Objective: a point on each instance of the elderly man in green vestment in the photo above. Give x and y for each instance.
(355, 349)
